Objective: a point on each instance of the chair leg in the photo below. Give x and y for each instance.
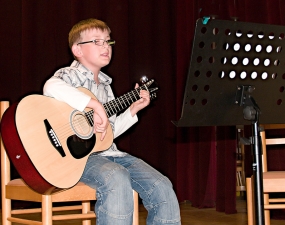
(6, 210)
(85, 209)
(250, 205)
(266, 211)
(136, 209)
(46, 210)
(5, 176)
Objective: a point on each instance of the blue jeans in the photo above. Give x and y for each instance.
(115, 178)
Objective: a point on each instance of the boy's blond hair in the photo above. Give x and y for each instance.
(75, 32)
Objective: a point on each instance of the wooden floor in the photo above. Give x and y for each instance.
(194, 216)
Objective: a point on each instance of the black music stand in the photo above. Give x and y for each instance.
(231, 62)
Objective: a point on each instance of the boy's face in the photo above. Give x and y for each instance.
(93, 56)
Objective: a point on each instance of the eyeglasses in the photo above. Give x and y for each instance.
(99, 42)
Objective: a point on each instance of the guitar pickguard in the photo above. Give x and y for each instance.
(80, 148)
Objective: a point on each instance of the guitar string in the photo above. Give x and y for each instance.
(113, 104)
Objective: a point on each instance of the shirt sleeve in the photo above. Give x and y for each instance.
(123, 122)
(62, 91)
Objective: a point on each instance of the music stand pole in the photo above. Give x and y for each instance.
(258, 175)
(251, 112)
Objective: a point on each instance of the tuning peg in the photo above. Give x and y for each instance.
(144, 79)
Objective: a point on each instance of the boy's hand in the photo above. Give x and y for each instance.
(141, 103)
(100, 124)
(100, 118)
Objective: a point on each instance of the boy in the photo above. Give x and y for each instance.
(114, 174)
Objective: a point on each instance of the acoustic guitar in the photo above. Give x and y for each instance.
(49, 142)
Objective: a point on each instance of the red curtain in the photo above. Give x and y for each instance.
(153, 38)
(210, 153)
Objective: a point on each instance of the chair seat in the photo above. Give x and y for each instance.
(78, 192)
(274, 181)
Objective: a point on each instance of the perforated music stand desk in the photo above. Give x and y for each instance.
(234, 64)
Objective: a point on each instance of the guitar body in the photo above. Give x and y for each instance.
(48, 141)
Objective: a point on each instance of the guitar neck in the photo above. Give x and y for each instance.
(118, 104)
(122, 102)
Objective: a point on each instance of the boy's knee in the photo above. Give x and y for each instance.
(116, 196)
(165, 187)
(119, 178)
(117, 182)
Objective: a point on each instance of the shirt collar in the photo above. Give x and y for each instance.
(104, 78)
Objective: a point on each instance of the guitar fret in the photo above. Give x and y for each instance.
(109, 114)
(117, 106)
(108, 108)
(128, 97)
(120, 102)
(137, 92)
(145, 87)
(113, 107)
(124, 100)
(112, 112)
(89, 117)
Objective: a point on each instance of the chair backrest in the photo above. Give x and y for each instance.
(270, 141)
(5, 164)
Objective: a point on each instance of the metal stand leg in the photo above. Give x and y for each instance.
(258, 175)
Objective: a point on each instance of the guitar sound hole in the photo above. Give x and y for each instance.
(80, 148)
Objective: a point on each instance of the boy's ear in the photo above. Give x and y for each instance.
(76, 50)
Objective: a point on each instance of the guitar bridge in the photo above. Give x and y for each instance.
(53, 138)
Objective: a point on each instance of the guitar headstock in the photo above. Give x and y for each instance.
(149, 85)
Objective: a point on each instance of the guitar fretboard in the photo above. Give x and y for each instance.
(122, 102)
(118, 104)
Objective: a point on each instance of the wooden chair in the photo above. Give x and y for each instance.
(17, 190)
(273, 181)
